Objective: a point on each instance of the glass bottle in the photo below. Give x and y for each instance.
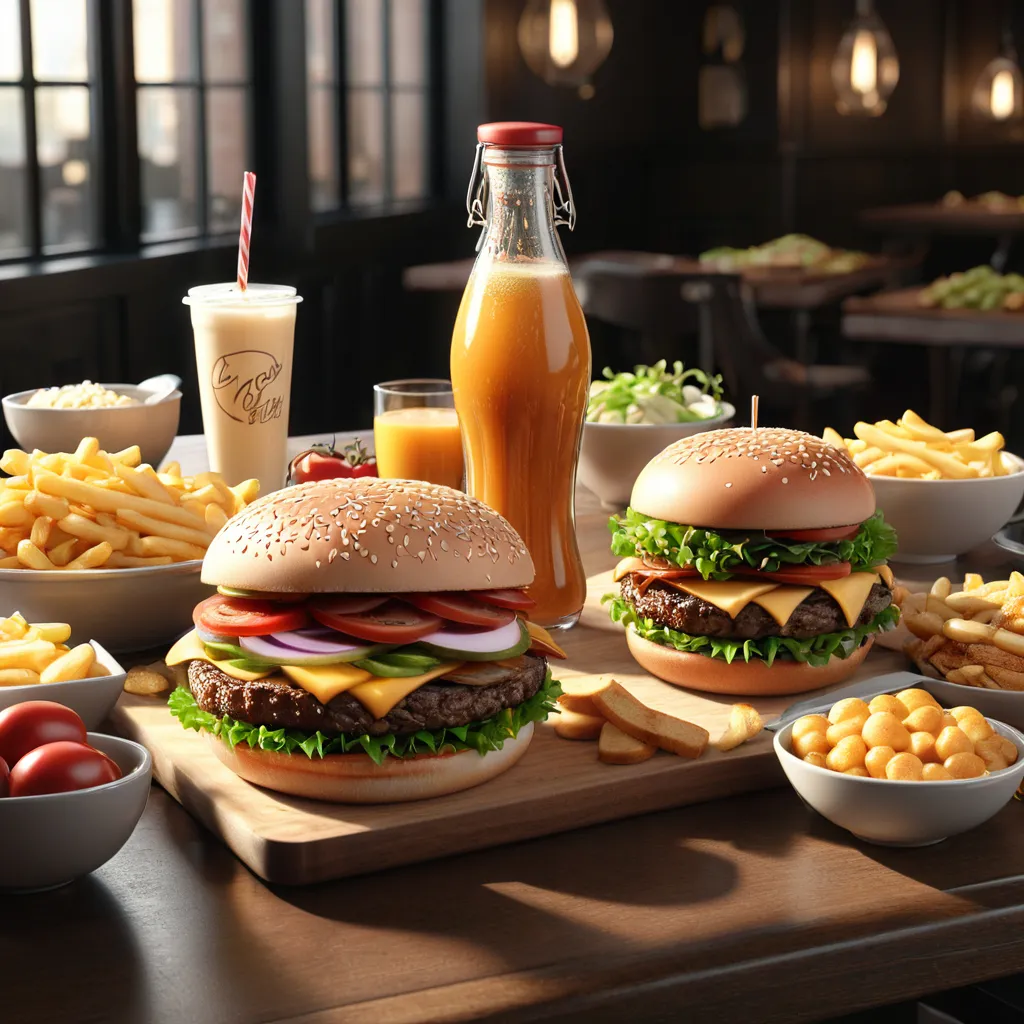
(520, 359)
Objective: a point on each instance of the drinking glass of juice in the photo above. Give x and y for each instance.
(416, 432)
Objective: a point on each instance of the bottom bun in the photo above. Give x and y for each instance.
(741, 678)
(355, 779)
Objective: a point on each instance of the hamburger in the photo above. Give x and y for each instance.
(755, 562)
(368, 643)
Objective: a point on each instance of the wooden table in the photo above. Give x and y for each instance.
(749, 909)
(896, 316)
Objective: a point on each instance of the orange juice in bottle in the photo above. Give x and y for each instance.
(520, 360)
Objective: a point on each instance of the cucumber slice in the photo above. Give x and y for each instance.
(386, 671)
(229, 652)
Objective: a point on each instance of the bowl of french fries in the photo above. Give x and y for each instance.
(970, 640)
(39, 662)
(116, 414)
(944, 492)
(898, 769)
(103, 541)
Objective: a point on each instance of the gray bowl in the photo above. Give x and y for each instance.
(151, 427)
(91, 699)
(53, 839)
(123, 609)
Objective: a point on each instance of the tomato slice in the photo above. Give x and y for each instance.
(393, 622)
(801, 575)
(460, 607)
(352, 604)
(518, 600)
(820, 536)
(230, 616)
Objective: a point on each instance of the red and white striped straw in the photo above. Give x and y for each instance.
(248, 198)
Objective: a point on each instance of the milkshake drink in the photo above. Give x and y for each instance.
(244, 344)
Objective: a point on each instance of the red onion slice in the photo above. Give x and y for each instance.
(489, 641)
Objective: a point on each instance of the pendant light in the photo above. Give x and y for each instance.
(865, 69)
(999, 92)
(566, 41)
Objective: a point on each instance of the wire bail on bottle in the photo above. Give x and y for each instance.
(476, 194)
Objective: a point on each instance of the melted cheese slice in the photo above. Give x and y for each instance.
(190, 648)
(540, 640)
(380, 695)
(781, 602)
(626, 566)
(851, 592)
(325, 682)
(732, 596)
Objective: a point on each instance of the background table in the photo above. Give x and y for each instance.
(747, 909)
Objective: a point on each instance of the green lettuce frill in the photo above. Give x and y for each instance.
(479, 736)
(815, 650)
(717, 556)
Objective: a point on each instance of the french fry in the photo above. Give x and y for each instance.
(572, 726)
(29, 555)
(744, 724)
(119, 560)
(578, 694)
(40, 532)
(30, 654)
(11, 562)
(147, 525)
(617, 747)
(14, 515)
(215, 517)
(45, 505)
(73, 665)
(172, 469)
(63, 553)
(177, 549)
(18, 677)
(636, 719)
(946, 464)
(244, 493)
(144, 484)
(833, 437)
(92, 558)
(78, 526)
(15, 462)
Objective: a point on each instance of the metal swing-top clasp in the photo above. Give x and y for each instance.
(476, 195)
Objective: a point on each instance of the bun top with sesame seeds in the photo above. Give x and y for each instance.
(367, 535)
(754, 478)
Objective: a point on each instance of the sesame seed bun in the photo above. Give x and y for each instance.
(763, 478)
(356, 779)
(367, 536)
(741, 678)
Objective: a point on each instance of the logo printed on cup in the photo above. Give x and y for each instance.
(241, 381)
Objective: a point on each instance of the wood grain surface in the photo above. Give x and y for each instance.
(750, 909)
(558, 785)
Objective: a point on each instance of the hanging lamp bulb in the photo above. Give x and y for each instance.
(999, 92)
(565, 41)
(865, 69)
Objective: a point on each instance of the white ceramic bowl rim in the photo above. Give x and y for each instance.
(1015, 735)
(130, 746)
(132, 390)
(728, 411)
(65, 575)
(1015, 460)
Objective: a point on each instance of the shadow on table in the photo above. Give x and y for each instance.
(84, 917)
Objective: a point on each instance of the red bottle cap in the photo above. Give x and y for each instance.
(519, 133)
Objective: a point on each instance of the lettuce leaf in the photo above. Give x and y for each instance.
(815, 650)
(479, 736)
(714, 554)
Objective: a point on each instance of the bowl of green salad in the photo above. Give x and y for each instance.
(634, 415)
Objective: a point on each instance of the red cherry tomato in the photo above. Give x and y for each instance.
(819, 536)
(322, 462)
(5, 774)
(234, 616)
(458, 607)
(393, 622)
(61, 767)
(518, 600)
(28, 725)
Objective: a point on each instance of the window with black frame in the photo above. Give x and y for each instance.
(368, 70)
(47, 160)
(193, 76)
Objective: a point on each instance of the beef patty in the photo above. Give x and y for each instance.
(275, 702)
(818, 613)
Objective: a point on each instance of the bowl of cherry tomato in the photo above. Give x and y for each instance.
(69, 799)
(327, 462)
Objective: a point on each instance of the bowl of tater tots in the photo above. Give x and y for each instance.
(899, 769)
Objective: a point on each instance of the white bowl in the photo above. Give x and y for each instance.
(53, 839)
(92, 699)
(902, 813)
(151, 427)
(1003, 705)
(612, 454)
(936, 520)
(123, 609)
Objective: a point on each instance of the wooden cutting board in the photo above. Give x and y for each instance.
(558, 785)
